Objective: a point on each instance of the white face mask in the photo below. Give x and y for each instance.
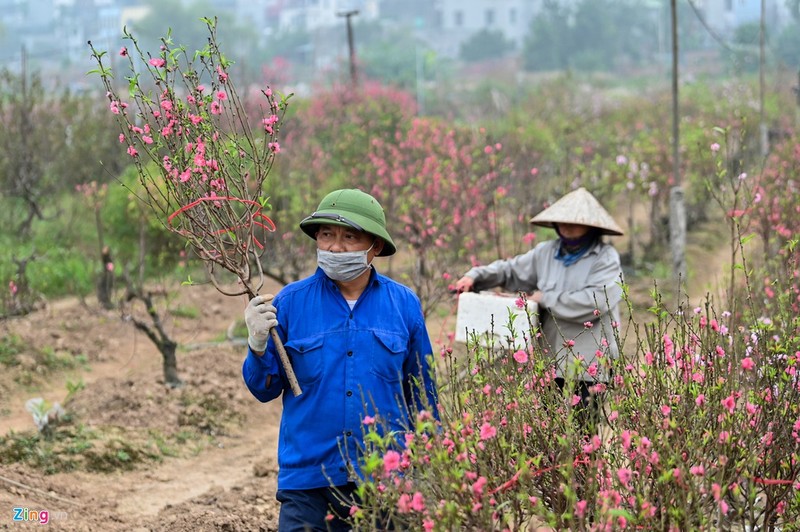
(343, 266)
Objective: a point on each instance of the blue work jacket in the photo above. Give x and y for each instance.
(349, 364)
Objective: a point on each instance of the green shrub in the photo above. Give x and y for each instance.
(129, 224)
(189, 312)
(62, 272)
(11, 345)
(78, 448)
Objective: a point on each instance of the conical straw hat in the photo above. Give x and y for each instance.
(578, 207)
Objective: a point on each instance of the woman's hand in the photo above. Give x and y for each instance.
(464, 284)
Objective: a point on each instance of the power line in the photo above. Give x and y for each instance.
(709, 29)
(733, 48)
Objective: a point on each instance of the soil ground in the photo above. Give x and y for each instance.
(222, 476)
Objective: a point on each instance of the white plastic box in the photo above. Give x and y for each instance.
(478, 310)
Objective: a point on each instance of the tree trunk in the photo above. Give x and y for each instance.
(157, 334)
(168, 348)
(105, 284)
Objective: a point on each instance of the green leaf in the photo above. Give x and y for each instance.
(373, 437)
(284, 98)
(104, 72)
(225, 62)
(133, 82)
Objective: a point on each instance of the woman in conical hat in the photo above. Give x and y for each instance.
(576, 281)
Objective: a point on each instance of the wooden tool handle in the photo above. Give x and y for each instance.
(286, 363)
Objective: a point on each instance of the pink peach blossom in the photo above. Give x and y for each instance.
(391, 461)
(701, 400)
(477, 487)
(729, 403)
(487, 431)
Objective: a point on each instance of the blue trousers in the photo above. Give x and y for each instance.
(306, 510)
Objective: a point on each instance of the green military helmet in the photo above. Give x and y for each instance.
(351, 208)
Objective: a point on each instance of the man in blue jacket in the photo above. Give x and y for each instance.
(359, 347)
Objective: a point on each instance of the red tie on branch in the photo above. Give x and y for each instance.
(254, 218)
(257, 218)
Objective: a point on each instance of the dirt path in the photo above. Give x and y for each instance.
(231, 463)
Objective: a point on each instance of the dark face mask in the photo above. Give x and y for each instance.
(576, 243)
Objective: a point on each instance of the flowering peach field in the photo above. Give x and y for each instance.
(700, 424)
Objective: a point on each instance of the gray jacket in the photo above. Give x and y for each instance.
(570, 297)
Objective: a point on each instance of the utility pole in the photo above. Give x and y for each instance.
(351, 49)
(419, 66)
(677, 207)
(797, 100)
(23, 69)
(762, 59)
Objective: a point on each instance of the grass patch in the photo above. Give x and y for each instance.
(207, 413)
(10, 347)
(59, 360)
(185, 312)
(37, 364)
(239, 329)
(77, 447)
(69, 448)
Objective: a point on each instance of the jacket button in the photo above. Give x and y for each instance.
(349, 393)
(348, 433)
(349, 353)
